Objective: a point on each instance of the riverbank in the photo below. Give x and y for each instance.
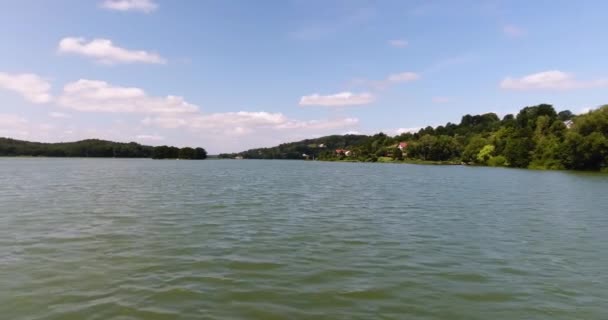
(405, 161)
(455, 163)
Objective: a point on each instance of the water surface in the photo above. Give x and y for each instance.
(144, 239)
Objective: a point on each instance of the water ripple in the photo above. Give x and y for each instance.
(139, 239)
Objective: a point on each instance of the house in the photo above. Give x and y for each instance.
(402, 145)
(322, 145)
(345, 152)
(568, 123)
(238, 157)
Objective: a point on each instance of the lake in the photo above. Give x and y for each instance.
(228, 239)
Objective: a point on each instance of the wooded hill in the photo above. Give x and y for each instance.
(537, 137)
(96, 148)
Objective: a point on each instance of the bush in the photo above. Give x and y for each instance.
(498, 161)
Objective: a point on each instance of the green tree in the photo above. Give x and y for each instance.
(485, 154)
(473, 148)
(397, 154)
(186, 153)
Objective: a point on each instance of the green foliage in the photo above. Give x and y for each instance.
(497, 161)
(535, 138)
(586, 145)
(397, 154)
(165, 152)
(434, 148)
(192, 154)
(84, 148)
(316, 148)
(96, 148)
(473, 148)
(485, 153)
(565, 115)
(200, 154)
(187, 153)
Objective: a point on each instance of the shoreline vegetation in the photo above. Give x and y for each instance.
(94, 148)
(537, 137)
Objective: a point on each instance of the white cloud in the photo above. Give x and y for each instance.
(337, 100)
(319, 124)
(17, 127)
(32, 87)
(403, 77)
(398, 43)
(59, 115)
(244, 121)
(238, 131)
(441, 99)
(13, 126)
(407, 130)
(145, 6)
(513, 31)
(149, 137)
(104, 51)
(99, 96)
(550, 80)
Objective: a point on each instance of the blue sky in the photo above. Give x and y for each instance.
(231, 75)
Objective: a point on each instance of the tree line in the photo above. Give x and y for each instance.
(537, 137)
(96, 148)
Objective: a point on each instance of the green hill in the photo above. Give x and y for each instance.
(537, 137)
(96, 148)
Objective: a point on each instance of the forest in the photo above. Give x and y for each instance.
(96, 148)
(538, 137)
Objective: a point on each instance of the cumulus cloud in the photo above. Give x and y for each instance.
(104, 51)
(513, 31)
(30, 86)
(18, 127)
(407, 130)
(398, 43)
(337, 100)
(13, 126)
(59, 115)
(550, 80)
(244, 122)
(99, 96)
(238, 131)
(319, 124)
(145, 6)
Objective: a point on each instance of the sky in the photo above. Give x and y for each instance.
(234, 75)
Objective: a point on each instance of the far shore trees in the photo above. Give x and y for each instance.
(94, 148)
(537, 137)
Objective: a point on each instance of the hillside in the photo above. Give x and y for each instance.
(96, 148)
(297, 150)
(537, 137)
